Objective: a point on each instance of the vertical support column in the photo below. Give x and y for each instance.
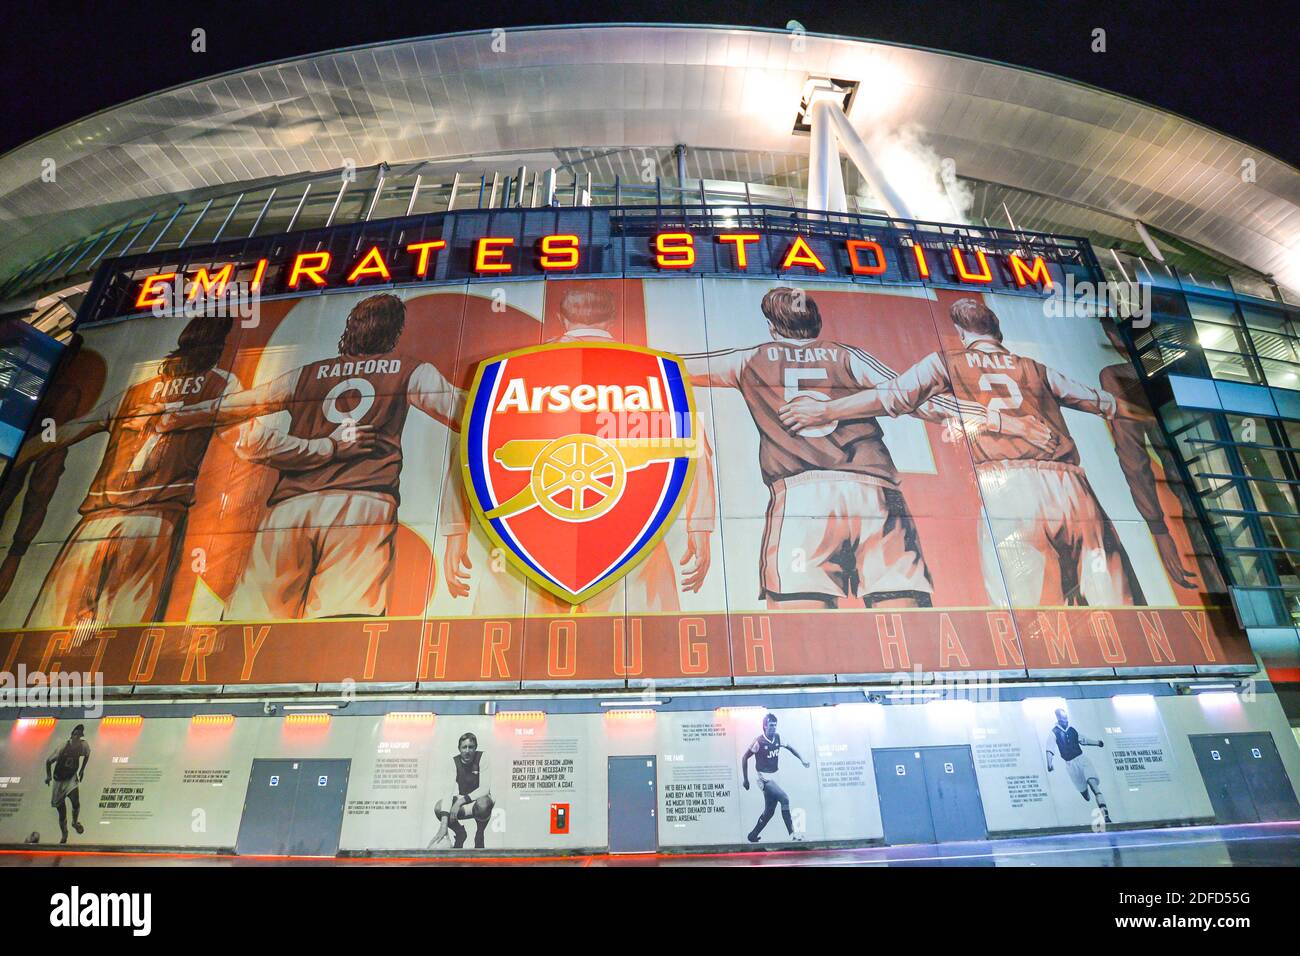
(866, 164)
(521, 178)
(381, 177)
(825, 179)
(1148, 241)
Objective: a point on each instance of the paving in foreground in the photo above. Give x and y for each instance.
(1263, 844)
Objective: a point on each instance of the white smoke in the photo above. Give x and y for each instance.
(926, 181)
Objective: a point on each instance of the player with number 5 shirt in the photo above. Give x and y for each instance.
(1066, 550)
(835, 493)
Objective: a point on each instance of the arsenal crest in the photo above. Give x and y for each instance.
(577, 457)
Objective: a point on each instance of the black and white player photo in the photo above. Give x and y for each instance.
(1064, 742)
(766, 753)
(471, 799)
(64, 771)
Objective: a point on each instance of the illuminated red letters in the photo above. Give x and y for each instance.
(739, 240)
(423, 250)
(311, 265)
(489, 255)
(674, 250)
(801, 254)
(860, 268)
(559, 253)
(371, 264)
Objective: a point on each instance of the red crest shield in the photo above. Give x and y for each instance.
(577, 457)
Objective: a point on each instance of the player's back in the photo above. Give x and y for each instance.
(1014, 386)
(145, 468)
(776, 372)
(364, 390)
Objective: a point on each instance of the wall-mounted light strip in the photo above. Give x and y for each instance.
(36, 723)
(134, 720)
(740, 711)
(410, 717)
(521, 716)
(304, 720)
(213, 720)
(630, 715)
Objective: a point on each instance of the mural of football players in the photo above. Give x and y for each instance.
(1062, 546)
(118, 563)
(326, 546)
(863, 542)
(40, 476)
(1136, 441)
(589, 313)
(472, 799)
(765, 751)
(64, 771)
(1066, 743)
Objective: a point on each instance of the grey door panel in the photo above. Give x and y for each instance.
(633, 827)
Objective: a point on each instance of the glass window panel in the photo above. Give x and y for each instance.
(1248, 570)
(1281, 532)
(1292, 599)
(1232, 530)
(1273, 496)
(1220, 338)
(242, 221)
(1212, 310)
(284, 204)
(1264, 462)
(394, 198)
(1220, 493)
(1170, 346)
(1274, 346)
(1232, 367)
(318, 205)
(1281, 374)
(211, 221)
(1267, 320)
(1251, 429)
(1288, 575)
(1165, 302)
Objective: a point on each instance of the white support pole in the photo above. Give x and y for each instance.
(1148, 241)
(825, 179)
(866, 164)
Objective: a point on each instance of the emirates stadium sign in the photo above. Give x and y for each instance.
(494, 245)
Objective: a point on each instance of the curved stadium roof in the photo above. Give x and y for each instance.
(725, 91)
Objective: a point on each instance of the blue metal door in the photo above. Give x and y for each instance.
(904, 799)
(633, 797)
(1224, 781)
(1261, 766)
(956, 810)
(268, 808)
(318, 807)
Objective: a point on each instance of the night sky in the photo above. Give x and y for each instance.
(1230, 66)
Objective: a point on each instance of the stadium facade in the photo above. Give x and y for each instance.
(644, 438)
